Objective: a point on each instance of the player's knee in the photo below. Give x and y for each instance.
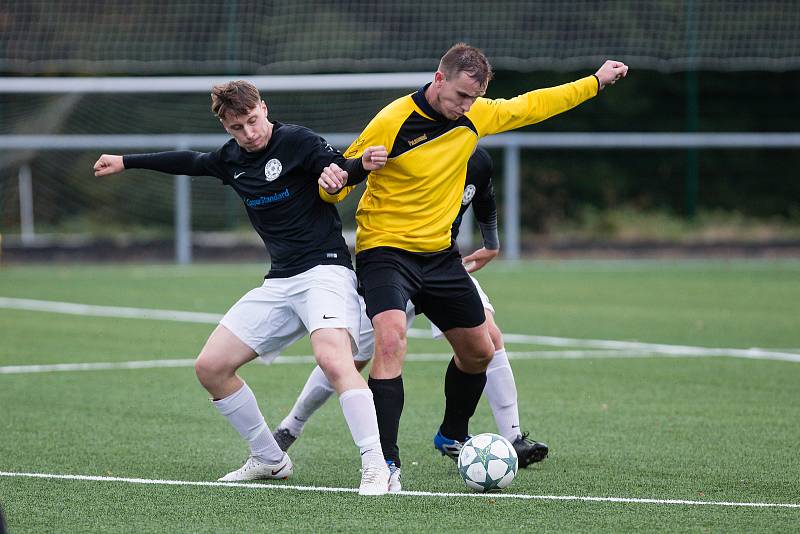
(477, 358)
(203, 370)
(483, 358)
(390, 334)
(325, 360)
(471, 364)
(391, 346)
(496, 336)
(334, 365)
(210, 370)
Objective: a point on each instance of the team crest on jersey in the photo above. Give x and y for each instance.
(469, 192)
(272, 169)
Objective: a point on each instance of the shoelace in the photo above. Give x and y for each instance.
(248, 465)
(525, 438)
(370, 474)
(455, 447)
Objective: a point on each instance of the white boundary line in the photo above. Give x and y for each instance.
(305, 360)
(673, 350)
(279, 486)
(197, 317)
(294, 360)
(71, 308)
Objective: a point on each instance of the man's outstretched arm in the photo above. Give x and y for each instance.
(174, 162)
(501, 115)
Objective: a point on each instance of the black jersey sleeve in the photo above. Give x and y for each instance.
(485, 209)
(484, 204)
(356, 173)
(176, 162)
(320, 154)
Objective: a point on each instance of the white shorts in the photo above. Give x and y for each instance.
(271, 317)
(437, 334)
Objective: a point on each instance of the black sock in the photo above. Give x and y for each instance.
(388, 396)
(462, 391)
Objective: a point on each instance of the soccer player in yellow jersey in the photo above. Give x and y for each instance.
(404, 249)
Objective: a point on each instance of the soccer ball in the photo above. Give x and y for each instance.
(487, 462)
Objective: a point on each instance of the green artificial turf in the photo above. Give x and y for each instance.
(666, 428)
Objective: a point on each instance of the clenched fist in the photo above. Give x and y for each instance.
(108, 164)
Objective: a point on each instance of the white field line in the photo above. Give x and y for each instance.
(196, 317)
(321, 489)
(673, 350)
(305, 360)
(71, 308)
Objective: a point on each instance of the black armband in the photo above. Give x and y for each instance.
(491, 239)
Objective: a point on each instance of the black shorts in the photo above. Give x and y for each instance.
(436, 282)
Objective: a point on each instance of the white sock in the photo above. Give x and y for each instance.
(501, 392)
(241, 410)
(359, 412)
(315, 393)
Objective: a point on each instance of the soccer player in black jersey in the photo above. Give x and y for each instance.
(501, 389)
(404, 249)
(310, 287)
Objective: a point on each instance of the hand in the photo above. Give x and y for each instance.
(610, 72)
(374, 158)
(108, 164)
(332, 179)
(479, 258)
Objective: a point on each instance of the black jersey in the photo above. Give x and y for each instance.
(278, 186)
(479, 192)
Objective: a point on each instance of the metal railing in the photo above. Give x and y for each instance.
(510, 143)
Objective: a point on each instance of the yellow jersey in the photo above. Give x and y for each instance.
(412, 201)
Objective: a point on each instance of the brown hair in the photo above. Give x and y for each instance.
(465, 58)
(237, 98)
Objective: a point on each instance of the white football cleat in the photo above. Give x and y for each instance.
(255, 469)
(374, 480)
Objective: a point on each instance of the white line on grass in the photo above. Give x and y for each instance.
(305, 360)
(673, 350)
(212, 318)
(71, 308)
(280, 486)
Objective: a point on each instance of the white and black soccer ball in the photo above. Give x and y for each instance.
(487, 462)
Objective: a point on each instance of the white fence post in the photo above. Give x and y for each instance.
(510, 243)
(183, 218)
(27, 232)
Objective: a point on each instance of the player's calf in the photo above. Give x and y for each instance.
(473, 348)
